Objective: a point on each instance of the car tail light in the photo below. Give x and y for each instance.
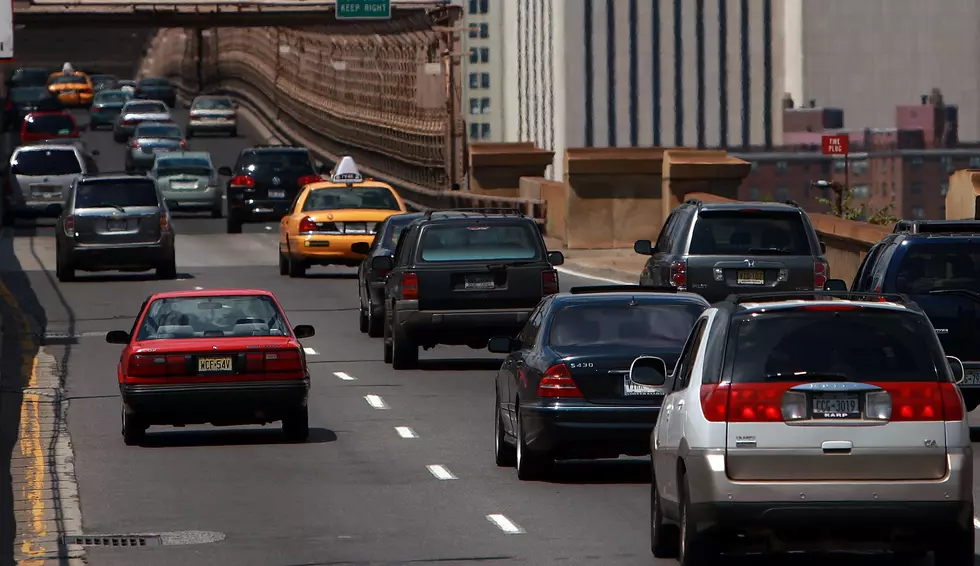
(141, 365)
(129, 122)
(549, 282)
(242, 181)
(134, 144)
(70, 225)
(924, 401)
(756, 402)
(307, 226)
(678, 274)
(9, 106)
(714, 401)
(85, 90)
(820, 273)
(557, 383)
(183, 144)
(410, 286)
(281, 361)
(164, 221)
(308, 179)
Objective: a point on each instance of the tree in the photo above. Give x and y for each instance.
(861, 212)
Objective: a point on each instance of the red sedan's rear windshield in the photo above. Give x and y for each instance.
(217, 317)
(52, 124)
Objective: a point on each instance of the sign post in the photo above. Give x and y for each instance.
(839, 145)
(363, 9)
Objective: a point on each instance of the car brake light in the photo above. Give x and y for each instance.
(714, 401)
(308, 179)
(164, 221)
(549, 282)
(924, 401)
(134, 144)
(156, 366)
(557, 383)
(183, 144)
(307, 226)
(129, 122)
(410, 286)
(820, 272)
(756, 402)
(9, 106)
(678, 274)
(274, 362)
(243, 181)
(70, 225)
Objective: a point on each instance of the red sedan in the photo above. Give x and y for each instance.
(225, 357)
(41, 126)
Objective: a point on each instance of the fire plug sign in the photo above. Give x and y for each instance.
(835, 145)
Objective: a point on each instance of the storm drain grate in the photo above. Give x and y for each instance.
(116, 541)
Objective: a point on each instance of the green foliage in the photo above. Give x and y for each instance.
(861, 212)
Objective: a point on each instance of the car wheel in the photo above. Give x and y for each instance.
(387, 342)
(693, 549)
(133, 429)
(296, 426)
(504, 454)
(375, 328)
(233, 225)
(233, 133)
(283, 264)
(168, 269)
(404, 352)
(64, 269)
(362, 320)
(530, 466)
(296, 268)
(665, 538)
(957, 548)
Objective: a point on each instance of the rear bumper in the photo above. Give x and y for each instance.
(124, 130)
(95, 257)
(209, 126)
(207, 198)
(102, 117)
(457, 327)
(324, 250)
(259, 210)
(589, 431)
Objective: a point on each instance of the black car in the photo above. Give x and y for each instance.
(370, 281)
(715, 249)
(460, 277)
(157, 88)
(265, 181)
(564, 390)
(23, 100)
(28, 76)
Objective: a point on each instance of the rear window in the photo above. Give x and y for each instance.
(29, 94)
(394, 231)
(57, 124)
(146, 108)
(69, 80)
(167, 132)
(663, 326)
(136, 192)
(154, 82)
(754, 233)
(183, 166)
(863, 345)
(218, 317)
(110, 97)
(375, 198)
(45, 162)
(928, 267)
(277, 160)
(30, 76)
(479, 242)
(213, 104)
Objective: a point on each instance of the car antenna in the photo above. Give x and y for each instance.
(633, 302)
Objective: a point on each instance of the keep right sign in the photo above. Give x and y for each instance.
(835, 145)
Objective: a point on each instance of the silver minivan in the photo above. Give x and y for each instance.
(39, 177)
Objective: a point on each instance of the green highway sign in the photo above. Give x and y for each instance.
(363, 9)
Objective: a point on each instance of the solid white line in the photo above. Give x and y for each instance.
(344, 376)
(573, 273)
(440, 472)
(976, 523)
(405, 432)
(375, 401)
(198, 288)
(505, 524)
(310, 351)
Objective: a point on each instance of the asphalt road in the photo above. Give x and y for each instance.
(359, 492)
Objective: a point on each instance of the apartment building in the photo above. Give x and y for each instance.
(481, 64)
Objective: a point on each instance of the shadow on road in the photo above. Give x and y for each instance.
(229, 437)
(602, 472)
(461, 364)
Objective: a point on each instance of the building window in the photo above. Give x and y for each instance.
(485, 80)
(782, 194)
(916, 163)
(859, 167)
(484, 106)
(473, 6)
(484, 6)
(484, 54)
(884, 189)
(884, 165)
(915, 188)
(781, 167)
(474, 55)
(861, 191)
(474, 106)
(485, 131)
(474, 131)
(479, 6)
(484, 31)
(975, 163)
(918, 212)
(474, 80)
(943, 189)
(838, 165)
(753, 193)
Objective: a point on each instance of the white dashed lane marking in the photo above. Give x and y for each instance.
(976, 523)
(309, 351)
(405, 432)
(344, 376)
(505, 524)
(440, 472)
(375, 401)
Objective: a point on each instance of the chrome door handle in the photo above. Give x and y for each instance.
(680, 404)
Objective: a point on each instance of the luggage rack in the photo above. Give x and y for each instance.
(818, 296)
(937, 227)
(587, 289)
(466, 212)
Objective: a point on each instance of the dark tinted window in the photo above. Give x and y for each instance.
(29, 94)
(377, 198)
(648, 325)
(108, 97)
(158, 131)
(278, 160)
(103, 79)
(146, 108)
(154, 82)
(69, 80)
(927, 267)
(394, 231)
(223, 316)
(479, 242)
(116, 192)
(30, 77)
(743, 232)
(183, 166)
(55, 124)
(863, 345)
(46, 162)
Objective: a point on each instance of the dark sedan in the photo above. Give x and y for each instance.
(157, 88)
(370, 281)
(564, 390)
(23, 100)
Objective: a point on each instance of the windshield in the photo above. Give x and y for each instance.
(183, 166)
(277, 160)
(213, 104)
(154, 131)
(218, 317)
(96, 194)
(29, 94)
(69, 80)
(394, 230)
(749, 233)
(54, 124)
(928, 267)
(663, 326)
(864, 345)
(146, 108)
(37, 162)
(154, 82)
(111, 97)
(479, 242)
(375, 198)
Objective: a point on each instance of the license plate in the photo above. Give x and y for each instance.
(836, 406)
(751, 278)
(972, 377)
(116, 225)
(212, 365)
(355, 228)
(46, 192)
(183, 186)
(277, 194)
(478, 282)
(632, 388)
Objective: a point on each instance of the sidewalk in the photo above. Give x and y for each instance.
(618, 264)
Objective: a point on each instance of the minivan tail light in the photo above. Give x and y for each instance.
(924, 401)
(242, 181)
(142, 365)
(70, 225)
(307, 226)
(410, 286)
(714, 401)
(820, 273)
(678, 274)
(756, 402)
(549, 282)
(557, 383)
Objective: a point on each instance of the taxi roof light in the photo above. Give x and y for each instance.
(346, 172)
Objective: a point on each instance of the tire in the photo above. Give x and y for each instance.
(504, 455)
(957, 548)
(168, 269)
(665, 538)
(283, 264)
(233, 133)
(530, 466)
(362, 320)
(404, 352)
(375, 327)
(216, 212)
(387, 342)
(296, 427)
(694, 549)
(133, 430)
(233, 225)
(296, 268)
(64, 269)
(189, 133)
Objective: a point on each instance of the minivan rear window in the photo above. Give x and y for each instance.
(116, 193)
(655, 325)
(479, 242)
(36, 162)
(740, 232)
(928, 267)
(862, 345)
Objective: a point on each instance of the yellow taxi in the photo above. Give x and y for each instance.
(329, 216)
(71, 89)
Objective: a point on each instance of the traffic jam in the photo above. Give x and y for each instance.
(780, 409)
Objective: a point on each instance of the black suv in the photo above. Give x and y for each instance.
(937, 264)
(461, 277)
(265, 181)
(716, 249)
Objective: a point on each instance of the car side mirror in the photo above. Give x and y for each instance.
(304, 331)
(224, 170)
(959, 372)
(383, 262)
(823, 248)
(556, 258)
(117, 337)
(96, 153)
(503, 345)
(649, 370)
(360, 248)
(643, 247)
(835, 286)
